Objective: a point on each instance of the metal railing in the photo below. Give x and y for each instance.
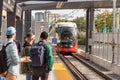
(105, 47)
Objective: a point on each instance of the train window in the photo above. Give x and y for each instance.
(67, 32)
(71, 29)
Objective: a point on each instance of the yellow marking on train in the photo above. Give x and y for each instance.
(61, 72)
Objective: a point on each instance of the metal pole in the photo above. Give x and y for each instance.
(1, 8)
(91, 25)
(91, 21)
(114, 15)
(27, 21)
(117, 19)
(114, 25)
(117, 26)
(87, 30)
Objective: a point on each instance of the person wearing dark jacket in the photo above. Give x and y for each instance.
(18, 47)
(42, 58)
(25, 67)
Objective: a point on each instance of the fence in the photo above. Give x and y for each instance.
(104, 47)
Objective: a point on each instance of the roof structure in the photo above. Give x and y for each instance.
(63, 4)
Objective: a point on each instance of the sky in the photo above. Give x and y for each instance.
(70, 13)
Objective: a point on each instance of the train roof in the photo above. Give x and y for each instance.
(67, 24)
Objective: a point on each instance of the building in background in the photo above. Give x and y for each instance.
(32, 24)
(47, 18)
(39, 16)
(53, 18)
(43, 21)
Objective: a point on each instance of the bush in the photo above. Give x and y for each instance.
(81, 38)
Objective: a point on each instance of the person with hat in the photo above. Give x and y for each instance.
(12, 55)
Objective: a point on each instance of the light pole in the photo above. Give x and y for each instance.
(114, 14)
(117, 19)
(113, 30)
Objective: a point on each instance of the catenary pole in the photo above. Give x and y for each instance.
(114, 28)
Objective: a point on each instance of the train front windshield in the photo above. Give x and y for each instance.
(67, 35)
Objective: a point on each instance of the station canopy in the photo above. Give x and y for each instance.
(65, 4)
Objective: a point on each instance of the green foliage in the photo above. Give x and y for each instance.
(81, 23)
(105, 17)
(61, 20)
(81, 39)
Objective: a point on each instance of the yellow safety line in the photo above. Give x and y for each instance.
(61, 72)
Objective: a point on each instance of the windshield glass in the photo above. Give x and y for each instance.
(67, 33)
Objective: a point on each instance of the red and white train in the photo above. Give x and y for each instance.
(68, 37)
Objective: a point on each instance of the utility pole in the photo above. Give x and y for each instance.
(114, 29)
(117, 19)
(114, 15)
(1, 8)
(46, 20)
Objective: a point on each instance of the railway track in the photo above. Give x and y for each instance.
(91, 67)
(77, 74)
(82, 70)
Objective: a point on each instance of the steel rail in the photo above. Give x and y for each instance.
(91, 67)
(76, 73)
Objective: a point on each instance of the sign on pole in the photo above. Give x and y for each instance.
(54, 40)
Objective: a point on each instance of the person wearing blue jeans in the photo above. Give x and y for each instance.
(28, 76)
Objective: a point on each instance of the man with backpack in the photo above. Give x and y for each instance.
(42, 58)
(12, 57)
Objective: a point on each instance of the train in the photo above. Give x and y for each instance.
(68, 37)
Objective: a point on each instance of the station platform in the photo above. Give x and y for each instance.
(59, 72)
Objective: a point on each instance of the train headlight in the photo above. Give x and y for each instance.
(61, 46)
(71, 46)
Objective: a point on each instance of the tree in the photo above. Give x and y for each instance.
(81, 23)
(105, 17)
(61, 20)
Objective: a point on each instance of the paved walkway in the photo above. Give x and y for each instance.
(51, 76)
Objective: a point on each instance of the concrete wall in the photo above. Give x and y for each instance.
(102, 51)
(105, 63)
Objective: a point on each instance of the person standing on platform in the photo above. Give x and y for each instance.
(42, 58)
(25, 67)
(13, 59)
(105, 29)
(18, 47)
